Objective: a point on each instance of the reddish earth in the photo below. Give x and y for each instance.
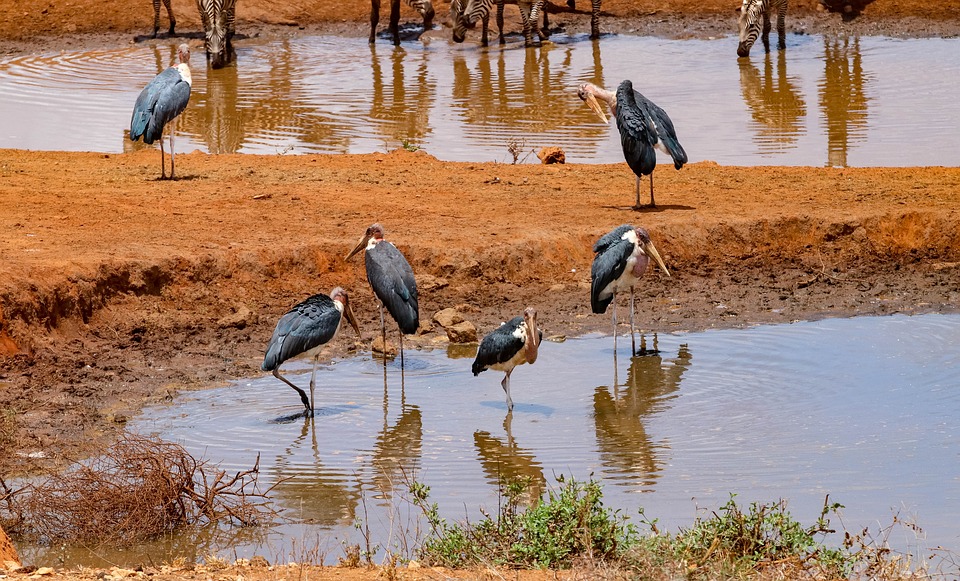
(118, 289)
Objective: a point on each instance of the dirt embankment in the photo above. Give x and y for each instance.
(119, 289)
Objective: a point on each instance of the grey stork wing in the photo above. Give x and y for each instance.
(611, 237)
(637, 134)
(393, 282)
(147, 101)
(307, 325)
(499, 346)
(170, 103)
(664, 129)
(607, 267)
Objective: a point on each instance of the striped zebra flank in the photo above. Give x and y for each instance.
(753, 15)
(218, 18)
(156, 17)
(424, 7)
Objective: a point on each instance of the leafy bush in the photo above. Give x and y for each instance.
(559, 528)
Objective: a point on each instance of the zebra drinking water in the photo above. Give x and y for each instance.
(424, 7)
(466, 13)
(218, 30)
(752, 13)
(156, 17)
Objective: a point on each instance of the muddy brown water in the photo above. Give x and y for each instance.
(839, 101)
(863, 410)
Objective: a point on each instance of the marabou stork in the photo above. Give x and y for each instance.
(391, 278)
(305, 329)
(643, 127)
(621, 259)
(160, 102)
(512, 343)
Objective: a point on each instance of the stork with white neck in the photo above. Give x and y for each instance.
(511, 344)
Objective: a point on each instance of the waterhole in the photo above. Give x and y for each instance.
(825, 101)
(863, 410)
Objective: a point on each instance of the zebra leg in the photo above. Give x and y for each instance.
(395, 21)
(526, 11)
(485, 27)
(595, 20)
(545, 31)
(173, 21)
(156, 17)
(766, 31)
(374, 19)
(538, 7)
(781, 26)
(500, 4)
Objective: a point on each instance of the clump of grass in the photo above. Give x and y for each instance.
(561, 527)
(736, 541)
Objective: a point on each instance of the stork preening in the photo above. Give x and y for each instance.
(513, 343)
(304, 330)
(392, 280)
(644, 127)
(621, 258)
(160, 103)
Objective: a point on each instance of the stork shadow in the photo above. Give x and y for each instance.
(186, 178)
(649, 209)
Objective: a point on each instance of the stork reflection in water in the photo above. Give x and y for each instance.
(621, 414)
(621, 259)
(644, 127)
(392, 280)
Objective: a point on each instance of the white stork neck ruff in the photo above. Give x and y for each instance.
(184, 69)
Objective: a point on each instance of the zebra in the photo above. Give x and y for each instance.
(424, 7)
(156, 17)
(466, 13)
(218, 29)
(749, 22)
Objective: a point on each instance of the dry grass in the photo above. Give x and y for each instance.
(139, 488)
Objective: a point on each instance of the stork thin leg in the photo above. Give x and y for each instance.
(401, 350)
(313, 375)
(652, 203)
(637, 206)
(163, 162)
(614, 323)
(303, 396)
(172, 131)
(383, 335)
(505, 384)
(633, 339)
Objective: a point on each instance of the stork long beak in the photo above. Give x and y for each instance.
(360, 246)
(351, 318)
(650, 250)
(533, 334)
(592, 102)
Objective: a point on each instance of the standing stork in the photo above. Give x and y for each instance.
(513, 343)
(161, 102)
(391, 278)
(643, 127)
(305, 329)
(621, 259)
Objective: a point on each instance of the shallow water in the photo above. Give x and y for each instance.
(846, 101)
(862, 409)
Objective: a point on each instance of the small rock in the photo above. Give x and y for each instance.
(462, 332)
(43, 571)
(447, 318)
(378, 347)
(549, 155)
(429, 283)
(239, 319)
(413, 565)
